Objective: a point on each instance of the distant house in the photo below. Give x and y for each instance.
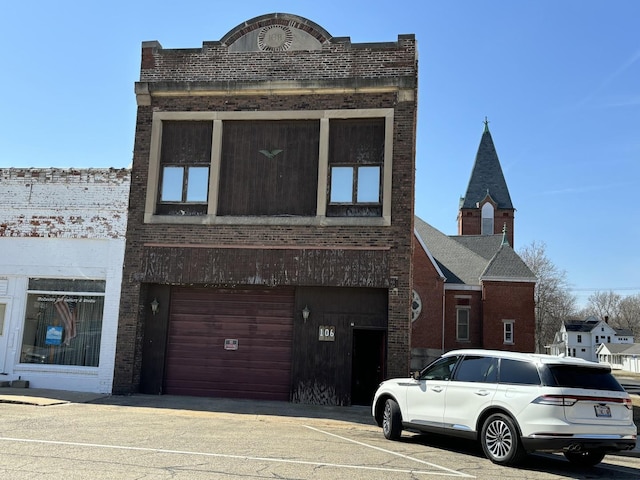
(621, 356)
(472, 290)
(581, 338)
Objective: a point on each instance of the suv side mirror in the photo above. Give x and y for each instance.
(416, 375)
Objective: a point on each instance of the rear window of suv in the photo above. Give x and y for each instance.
(581, 377)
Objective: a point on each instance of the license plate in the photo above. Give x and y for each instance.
(602, 411)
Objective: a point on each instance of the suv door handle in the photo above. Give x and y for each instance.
(437, 388)
(482, 393)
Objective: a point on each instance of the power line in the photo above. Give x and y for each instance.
(608, 289)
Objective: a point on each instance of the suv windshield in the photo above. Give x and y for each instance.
(581, 377)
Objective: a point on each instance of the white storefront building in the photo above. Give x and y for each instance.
(62, 240)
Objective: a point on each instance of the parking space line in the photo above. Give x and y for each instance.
(243, 457)
(390, 452)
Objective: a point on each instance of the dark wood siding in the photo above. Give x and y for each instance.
(200, 321)
(186, 142)
(356, 141)
(269, 168)
(322, 371)
(155, 338)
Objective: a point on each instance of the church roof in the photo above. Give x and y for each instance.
(487, 178)
(470, 259)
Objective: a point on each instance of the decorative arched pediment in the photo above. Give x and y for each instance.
(277, 32)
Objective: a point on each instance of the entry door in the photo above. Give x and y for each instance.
(367, 370)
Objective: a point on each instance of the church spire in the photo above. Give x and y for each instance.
(487, 176)
(487, 203)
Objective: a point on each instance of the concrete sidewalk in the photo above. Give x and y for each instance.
(44, 397)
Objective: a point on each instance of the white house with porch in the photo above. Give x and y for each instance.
(582, 338)
(620, 356)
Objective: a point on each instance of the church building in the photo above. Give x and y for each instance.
(472, 290)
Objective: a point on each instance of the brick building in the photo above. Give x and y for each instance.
(61, 252)
(269, 240)
(472, 290)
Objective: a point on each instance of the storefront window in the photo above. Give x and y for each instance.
(63, 322)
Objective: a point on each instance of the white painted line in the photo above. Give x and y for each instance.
(221, 455)
(452, 472)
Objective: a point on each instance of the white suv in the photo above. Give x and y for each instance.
(514, 404)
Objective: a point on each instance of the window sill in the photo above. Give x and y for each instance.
(53, 367)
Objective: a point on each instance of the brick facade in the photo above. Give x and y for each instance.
(509, 301)
(64, 203)
(335, 76)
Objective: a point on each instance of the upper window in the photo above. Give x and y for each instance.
(355, 185)
(579, 338)
(508, 331)
(325, 165)
(185, 163)
(356, 158)
(462, 324)
(184, 184)
(487, 219)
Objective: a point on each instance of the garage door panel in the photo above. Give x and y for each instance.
(261, 320)
(265, 357)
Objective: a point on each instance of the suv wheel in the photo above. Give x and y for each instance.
(500, 440)
(391, 420)
(587, 458)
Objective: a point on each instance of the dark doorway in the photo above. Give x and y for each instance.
(367, 369)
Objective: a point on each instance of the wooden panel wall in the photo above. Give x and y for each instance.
(269, 168)
(186, 142)
(356, 141)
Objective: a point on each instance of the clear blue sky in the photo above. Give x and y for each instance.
(559, 81)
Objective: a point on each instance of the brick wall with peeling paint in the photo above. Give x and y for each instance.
(64, 203)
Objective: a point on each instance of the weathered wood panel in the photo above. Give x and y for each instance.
(269, 168)
(201, 319)
(186, 142)
(155, 339)
(356, 141)
(271, 267)
(322, 371)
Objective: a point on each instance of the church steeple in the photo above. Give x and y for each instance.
(486, 206)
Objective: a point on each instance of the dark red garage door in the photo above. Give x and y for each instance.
(202, 320)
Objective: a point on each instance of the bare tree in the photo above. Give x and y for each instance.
(604, 305)
(554, 302)
(630, 314)
(622, 312)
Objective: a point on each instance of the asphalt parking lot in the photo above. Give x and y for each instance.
(166, 437)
